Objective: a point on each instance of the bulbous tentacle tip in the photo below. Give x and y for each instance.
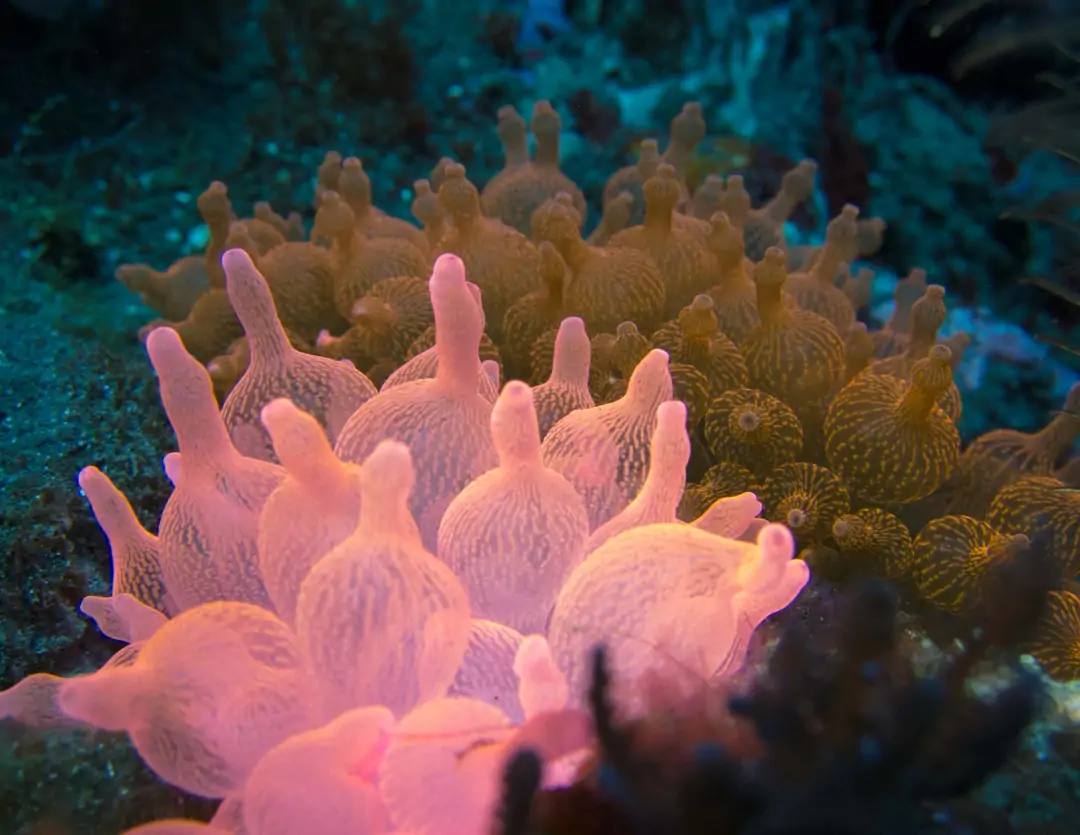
(388, 471)
(33, 702)
(357, 738)
(111, 507)
(516, 394)
(514, 427)
(846, 526)
(163, 345)
(122, 617)
(653, 366)
(448, 271)
(299, 440)
(533, 652)
(654, 361)
(671, 416)
(542, 686)
(477, 297)
(734, 517)
(573, 327)
(91, 478)
(171, 465)
(796, 576)
(136, 277)
(491, 369)
(280, 414)
(237, 264)
(103, 699)
(940, 353)
(776, 542)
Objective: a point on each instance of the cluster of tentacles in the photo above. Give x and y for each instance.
(450, 461)
(846, 435)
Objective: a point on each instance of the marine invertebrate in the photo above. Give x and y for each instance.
(227, 699)
(513, 534)
(487, 670)
(386, 323)
(422, 358)
(660, 494)
(702, 595)
(874, 541)
(357, 262)
(805, 497)
(692, 388)
(393, 771)
(425, 208)
(694, 339)
(719, 481)
(534, 314)
(792, 354)
(954, 555)
(171, 293)
(203, 561)
(354, 186)
(216, 210)
(443, 420)
(609, 285)
(501, 261)
(764, 227)
(332, 544)
(734, 295)
(859, 351)
(892, 337)
(423, 361)
(685, 263)
(1042, 505)
(604, 452)
(335, 763)
(135, 552)
(615, 218)
(329, 390)
(616, 363)
(567, 389)
(300, 277)
(1001, 456)
(312, 511)
(687, 131)
(382, 567)
(1056, 642)
(209, 330)
(514, 193)
(925, 319)
(184, 671)
(851, 736)
(889, 439)
(815, 289)
(229, 367)
(752, 429)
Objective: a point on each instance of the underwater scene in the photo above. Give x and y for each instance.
(539, 417)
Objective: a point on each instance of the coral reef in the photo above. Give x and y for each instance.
(402, 588)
